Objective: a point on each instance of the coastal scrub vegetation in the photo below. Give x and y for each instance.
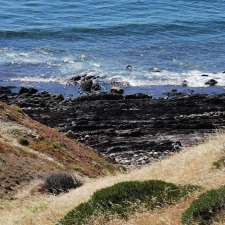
(123, 198)
(204, 210)
(219, 164)
(24, 141)
(60, 182)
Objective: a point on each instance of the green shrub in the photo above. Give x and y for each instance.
(220, 164)
(203, 210)
(123, 198)
(24, 141)
(57, 183)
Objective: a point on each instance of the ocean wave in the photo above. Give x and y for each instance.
(184, 27)
(194, 78)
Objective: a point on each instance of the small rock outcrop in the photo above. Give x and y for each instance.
(211, 82)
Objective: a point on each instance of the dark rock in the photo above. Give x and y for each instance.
(32, 91)
(29, 91)
(174, 94)
(131, 130)
(70, 134)
(86, 85)
(129, 67)
(185, 83)
(60, 98)
(5, 90)
(101, 96)
(204, 75)
(96, 87)
(118, 91)
(138, 96)
(155, 70)
(75, 79)
(3, 97)
(90, 77)
(211, 82)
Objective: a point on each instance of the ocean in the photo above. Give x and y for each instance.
(44, 43)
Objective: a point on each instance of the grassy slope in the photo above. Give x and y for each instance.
(205, 208)
(191, 166)
(48, 150)
(125, 198)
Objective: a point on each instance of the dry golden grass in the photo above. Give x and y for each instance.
(191, 166)
(165, 216)
(46, 151)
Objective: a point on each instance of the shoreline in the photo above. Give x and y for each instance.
(132, 130)
(156, 91)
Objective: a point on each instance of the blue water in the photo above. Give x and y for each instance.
(49, 41)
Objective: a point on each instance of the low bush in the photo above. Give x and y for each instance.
(220, 164)
(123, 198)
(57, 183)
(24, 141)
(203, 210)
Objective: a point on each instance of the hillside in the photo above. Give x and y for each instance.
(194, 165)
(30, 150)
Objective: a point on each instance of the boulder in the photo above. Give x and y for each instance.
(117, 90)
(30, 91)
(211, 82)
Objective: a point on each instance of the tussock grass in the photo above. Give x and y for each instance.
(123, 198)
(203, 210)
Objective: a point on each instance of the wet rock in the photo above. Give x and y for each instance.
(185, 83)
(132, 130)
(155, 70)
(138, 96)
(29, 91)
(74, 80)
(117, 90)
(3, 97)
(129, 68)
(100, 96)
(96, 87)
(204, 75)
(174, 94)
(211, 82)
(86, 85)
(59, 98)
(90, 84)
(5, 90)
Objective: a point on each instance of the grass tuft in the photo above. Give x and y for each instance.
(203, 210)
(126, 197)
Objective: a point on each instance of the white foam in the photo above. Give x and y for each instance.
(11, 56)
(68, 65)
(39, 79)
(194, 78)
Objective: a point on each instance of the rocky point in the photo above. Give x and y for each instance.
(132, 130)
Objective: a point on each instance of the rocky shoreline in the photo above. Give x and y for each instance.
(132, 130)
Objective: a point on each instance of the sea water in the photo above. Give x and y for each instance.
(44, 42)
